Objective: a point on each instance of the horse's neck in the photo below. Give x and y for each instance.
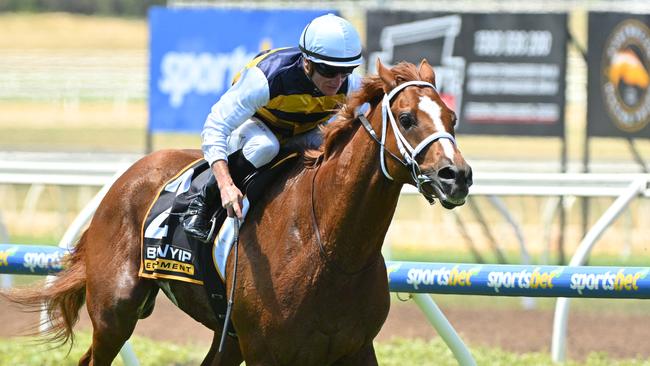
(357, 202)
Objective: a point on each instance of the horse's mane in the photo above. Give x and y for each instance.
(371, 91)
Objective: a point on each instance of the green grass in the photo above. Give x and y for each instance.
(35, 240)
(398, 352)
(27, 352)
(418, 352)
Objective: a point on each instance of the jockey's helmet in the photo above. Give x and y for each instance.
(331, 40)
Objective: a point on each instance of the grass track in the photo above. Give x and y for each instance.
(398, 352)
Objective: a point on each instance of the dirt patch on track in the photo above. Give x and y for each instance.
(620, 335)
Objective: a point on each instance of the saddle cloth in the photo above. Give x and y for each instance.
(168, 253)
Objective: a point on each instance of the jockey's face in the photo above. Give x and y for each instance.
(328, 84)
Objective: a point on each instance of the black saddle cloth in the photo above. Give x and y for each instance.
(168, 253)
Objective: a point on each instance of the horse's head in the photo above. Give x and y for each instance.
(423, 135)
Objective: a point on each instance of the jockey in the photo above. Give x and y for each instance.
(278, 99)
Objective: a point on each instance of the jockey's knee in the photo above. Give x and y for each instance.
(261, 151)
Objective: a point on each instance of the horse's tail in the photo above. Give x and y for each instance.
(61, 298)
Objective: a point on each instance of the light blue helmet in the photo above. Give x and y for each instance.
(331, 40)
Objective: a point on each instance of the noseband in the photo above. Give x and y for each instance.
(409, 154)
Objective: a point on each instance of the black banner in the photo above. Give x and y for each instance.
(619, 75)
(503, 74)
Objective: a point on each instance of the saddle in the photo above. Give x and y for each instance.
(168, 253)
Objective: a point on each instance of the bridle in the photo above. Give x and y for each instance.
(408, 160)
(408, 153)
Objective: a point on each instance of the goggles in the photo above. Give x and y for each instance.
(329, 72)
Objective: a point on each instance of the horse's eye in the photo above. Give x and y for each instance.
(406, 120)
(454, 118)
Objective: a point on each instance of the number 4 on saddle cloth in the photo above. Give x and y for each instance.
(168, 253)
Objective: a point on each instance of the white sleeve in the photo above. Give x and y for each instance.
(354, 83)
(235, 106)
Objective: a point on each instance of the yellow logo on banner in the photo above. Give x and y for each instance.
(392, 268)
(626, 75)
(4, 255)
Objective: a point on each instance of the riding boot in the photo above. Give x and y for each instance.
(197, 221)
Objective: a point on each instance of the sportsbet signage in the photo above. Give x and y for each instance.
(619, 75)
(518, 280)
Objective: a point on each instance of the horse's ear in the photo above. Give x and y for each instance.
(386, 76)
(426, 72)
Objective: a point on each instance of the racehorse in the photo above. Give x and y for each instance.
(311, 282)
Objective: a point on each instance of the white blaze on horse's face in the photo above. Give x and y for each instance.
(432, 108)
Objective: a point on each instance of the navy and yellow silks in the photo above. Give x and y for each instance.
(295, 104)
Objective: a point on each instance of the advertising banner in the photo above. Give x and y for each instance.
(619, 75)
(31, 259)
(503, 74)
(519, 280)
(196, 52)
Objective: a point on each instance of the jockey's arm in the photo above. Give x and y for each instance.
(236, 106)
(231, 196)
(354, 84)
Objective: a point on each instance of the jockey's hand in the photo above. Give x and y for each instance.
(231, 196)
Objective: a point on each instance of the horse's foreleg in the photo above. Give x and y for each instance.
(365, 356)
(231, 354)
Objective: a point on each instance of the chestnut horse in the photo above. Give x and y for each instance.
(311, 282)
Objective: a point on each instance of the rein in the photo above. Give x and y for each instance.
(408, 153)
(231, 297)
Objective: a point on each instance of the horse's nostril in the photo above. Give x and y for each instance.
(469, 177)
(448, 172)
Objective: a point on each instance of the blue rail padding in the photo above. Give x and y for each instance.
(425, 277)
(30, 259)
(519, 280)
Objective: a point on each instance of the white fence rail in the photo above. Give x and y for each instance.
(98, 173)
(58, 173)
